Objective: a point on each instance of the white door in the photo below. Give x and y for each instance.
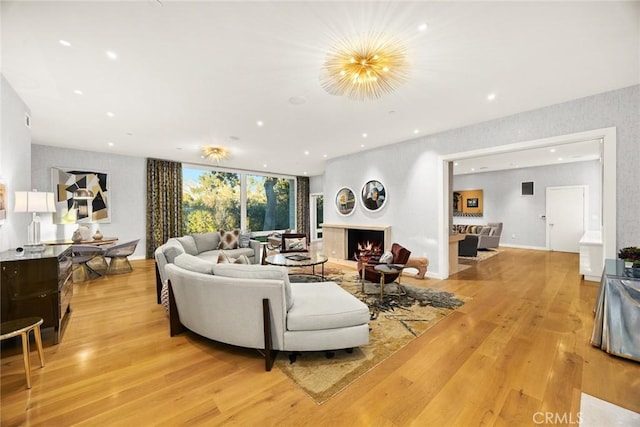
(565, 218)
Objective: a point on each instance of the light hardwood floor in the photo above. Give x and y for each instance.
(521, 346)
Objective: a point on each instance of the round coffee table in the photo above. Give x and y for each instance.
(299, 259)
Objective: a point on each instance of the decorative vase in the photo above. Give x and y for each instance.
(98, 235)
(76, 237)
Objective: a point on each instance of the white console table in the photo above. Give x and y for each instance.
(591, 259)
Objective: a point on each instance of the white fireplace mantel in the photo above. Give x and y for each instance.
(334, 238)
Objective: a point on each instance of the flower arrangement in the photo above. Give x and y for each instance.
(630, 254)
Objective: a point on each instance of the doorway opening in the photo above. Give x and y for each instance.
(608, 181)
(316, 206)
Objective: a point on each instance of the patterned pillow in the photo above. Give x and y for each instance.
(229, 239)
(295, 244)
(164, 297)
(223, 258)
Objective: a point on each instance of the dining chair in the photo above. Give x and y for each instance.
(119, 263)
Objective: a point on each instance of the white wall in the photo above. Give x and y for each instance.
(316, 184)
(127, 180)
(519, 214)
(15, 155)
(409, 169)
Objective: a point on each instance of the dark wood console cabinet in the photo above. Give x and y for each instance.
(37, 284)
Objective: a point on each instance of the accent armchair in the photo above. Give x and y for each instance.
(400, 258)
(82, 255)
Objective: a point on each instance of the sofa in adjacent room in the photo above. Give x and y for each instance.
(488, 236)
(207, 246)
(256, 306)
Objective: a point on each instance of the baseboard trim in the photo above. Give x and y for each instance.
(534, 248)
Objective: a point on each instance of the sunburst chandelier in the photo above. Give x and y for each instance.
(215, 153)
(365, 67)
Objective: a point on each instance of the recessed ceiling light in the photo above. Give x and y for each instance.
(64, 43)
(423, 27)
(364, 135)
(553, 150)
(234, 138)
(264, 166)
(297, 100)
(110, 144)
(361, 145)
(472, 169)
(110, 114)
(178, 148)
(491, 96)
(306, 152)
(77, 92)
(324, 155)
(260, 123)
(455, 164)
(559, 158)
(111, 55)
(416, 131)
(304, 173)
(392, 111)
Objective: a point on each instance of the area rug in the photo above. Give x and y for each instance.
(483, 254)
(397, 320)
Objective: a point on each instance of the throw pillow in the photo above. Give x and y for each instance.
(164, 297)
(492, 232)
(245, 236)
(386, 258)
(229, 239)
(295, 244)
(223, 258)
(172, 252)
(206, 241)
(485, 231)
(193, 263)
(188, 244)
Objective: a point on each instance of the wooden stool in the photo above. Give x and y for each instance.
(22, 327)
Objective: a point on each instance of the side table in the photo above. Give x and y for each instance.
(387, 269)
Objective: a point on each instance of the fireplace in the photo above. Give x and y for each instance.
(367, 243)
(335, 238)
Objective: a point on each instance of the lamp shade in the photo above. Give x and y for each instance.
(34, 201)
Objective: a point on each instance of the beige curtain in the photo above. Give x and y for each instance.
(302, 205)
(164, 202)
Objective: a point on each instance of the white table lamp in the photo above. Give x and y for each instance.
(34, 202)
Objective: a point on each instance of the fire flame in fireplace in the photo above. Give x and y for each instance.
(368, 249)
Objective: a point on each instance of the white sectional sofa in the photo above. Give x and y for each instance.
(205, 246)
(256, 306)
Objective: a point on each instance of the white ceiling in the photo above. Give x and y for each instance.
(195, 73)
(556, 155)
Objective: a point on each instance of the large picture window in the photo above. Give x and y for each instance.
(270, 203)
(212, 200)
